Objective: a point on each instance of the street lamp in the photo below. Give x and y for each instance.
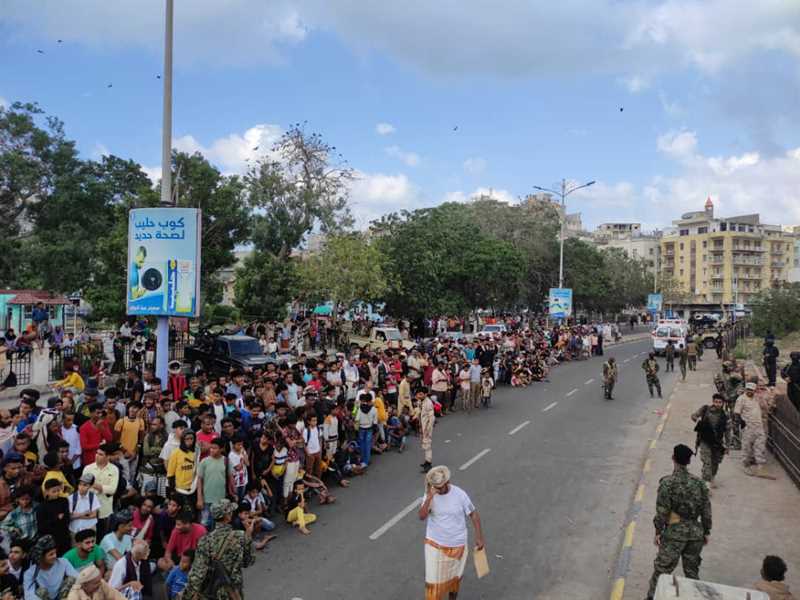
(563, 193)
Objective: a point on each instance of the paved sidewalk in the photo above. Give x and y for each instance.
(752, 517)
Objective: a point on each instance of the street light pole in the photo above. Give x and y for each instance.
(162, 330)
(564, 192)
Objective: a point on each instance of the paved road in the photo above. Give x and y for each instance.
(551, 468)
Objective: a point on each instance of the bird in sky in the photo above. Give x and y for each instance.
(158, 76)
(110, 85)
(40, 51)
(455, 128)
(256, 148)
(59, 41)
(621, 109)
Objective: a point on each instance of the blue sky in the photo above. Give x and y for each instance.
(710, 91)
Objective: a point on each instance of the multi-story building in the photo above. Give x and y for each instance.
(644, 246)
(618, 230)
(722, 261)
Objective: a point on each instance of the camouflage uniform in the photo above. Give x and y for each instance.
(609, 378)
(669, 354)
(231, 547)
(710, 428)
(682, 500)
(682, 360)
(754, 441)
(733, 389)
(651, 368)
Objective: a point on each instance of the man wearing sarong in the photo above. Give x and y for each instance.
(446, 508)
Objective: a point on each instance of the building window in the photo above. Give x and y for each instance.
(681, 272)
(723, 227)
(702, 230)
(742, 228)
(750, 229)
(681, 244)
(650, 252)
(683, 232)
(705, 243)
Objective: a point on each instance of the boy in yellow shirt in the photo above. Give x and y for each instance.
(54, 472)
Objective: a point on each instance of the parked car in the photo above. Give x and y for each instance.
(492, 329)
(381, 338)
(218, 354)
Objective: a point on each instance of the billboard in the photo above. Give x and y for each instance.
(654, 302)
(560, 303)
(163, 262)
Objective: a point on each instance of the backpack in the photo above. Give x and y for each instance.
(122, 484)
(74, 498)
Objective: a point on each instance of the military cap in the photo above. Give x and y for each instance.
(222, 508)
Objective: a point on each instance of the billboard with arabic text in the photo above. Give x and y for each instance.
(164, 262)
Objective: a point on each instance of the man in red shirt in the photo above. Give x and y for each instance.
(185, 535)
(92, 435)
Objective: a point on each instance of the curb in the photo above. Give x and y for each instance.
(631, 518)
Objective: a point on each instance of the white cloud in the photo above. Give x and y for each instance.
(375, 194)
(680, 145)
(475, 165)
(385, 129)
(411, 159)
(461, 196)
(636, 83)
(154, 173)
(99, 151)
(234, 152)
(242, 32)
(672, 108)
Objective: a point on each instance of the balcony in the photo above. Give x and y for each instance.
(717, 260)
(738, 248)
(739, 259)
(778, 264)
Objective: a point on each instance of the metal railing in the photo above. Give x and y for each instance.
(19, 363)
(783, 438)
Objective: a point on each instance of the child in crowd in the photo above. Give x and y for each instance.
(179, 575)
(296, 508)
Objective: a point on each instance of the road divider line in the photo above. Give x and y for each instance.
(518, 427)
(474, 459)
(549, 406)
(571, 392)
(589, 381)
(627, 360)
(395, 519)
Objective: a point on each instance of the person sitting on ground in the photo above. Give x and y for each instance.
(86, 552)
(179, 575)
(48, 577)
(295, 510)
(90, 585)
(773, 572)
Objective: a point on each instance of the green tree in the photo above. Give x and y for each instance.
(265, 285)
(629, 280)
(777, 310)
(672, 290)
(585, 272)
(347, 270)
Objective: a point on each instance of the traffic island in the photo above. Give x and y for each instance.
(752, 516)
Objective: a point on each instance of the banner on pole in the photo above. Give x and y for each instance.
(654, 302)
(164, 262)
(560, 301)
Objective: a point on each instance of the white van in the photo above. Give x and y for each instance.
(675, 331)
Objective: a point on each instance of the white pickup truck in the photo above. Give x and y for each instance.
(382, 338)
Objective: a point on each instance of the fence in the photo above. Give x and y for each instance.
(19, 363)
(784, 436)
(128, 354)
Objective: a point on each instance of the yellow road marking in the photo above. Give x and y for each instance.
(629, 535)
(639, 493)
(619, 588)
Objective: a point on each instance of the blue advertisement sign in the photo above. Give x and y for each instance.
(654, 302)
(164, 262)
(560, 303)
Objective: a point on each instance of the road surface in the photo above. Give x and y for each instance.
(551, 468)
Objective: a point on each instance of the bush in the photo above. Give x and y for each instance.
(777, 310)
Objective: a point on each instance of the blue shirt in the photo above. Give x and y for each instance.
(470, 353)
(50, 580)
(176, 581)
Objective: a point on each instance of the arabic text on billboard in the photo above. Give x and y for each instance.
(654, 302)
(163, 262)
(560, 303)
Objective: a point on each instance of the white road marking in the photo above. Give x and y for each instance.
(589, 381)
(447, 441)
(571, 392)
(395, 519)
(549, 406)
(518, 427)
(627, 360)
(474, 459)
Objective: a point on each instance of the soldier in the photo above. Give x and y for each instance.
(733, 389)
(669, 353)
(609, 377)
(791, 374)
(754, 442)
(651, 367)
(682, 521)
(771, 354)
(683, 359)
(691, 353)
(712, 422)
(224, 547)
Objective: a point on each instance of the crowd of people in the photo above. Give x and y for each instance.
(108, 475)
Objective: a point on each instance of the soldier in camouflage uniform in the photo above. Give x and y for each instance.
(733, 389)
(669, 354)
(683, 360)
(748, 411)
(682, 521)
(610, 374)
(712, 422)
(651, 367)
(234, 549)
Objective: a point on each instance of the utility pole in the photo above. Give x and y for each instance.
(563, 193)
(162, 330)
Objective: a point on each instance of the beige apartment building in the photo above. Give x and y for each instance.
(722, 261)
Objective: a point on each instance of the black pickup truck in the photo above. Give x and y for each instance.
(220, 354)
